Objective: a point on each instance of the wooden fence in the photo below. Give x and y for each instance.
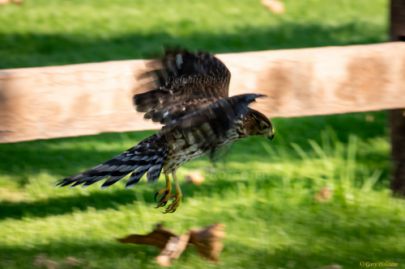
(60, 101)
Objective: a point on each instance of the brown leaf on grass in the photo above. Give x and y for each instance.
(275, 6)
(5, 2)
(173, 249)
(195, 178)
(208, 242)
(158, 237)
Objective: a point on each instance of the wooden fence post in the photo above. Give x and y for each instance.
(397, 116)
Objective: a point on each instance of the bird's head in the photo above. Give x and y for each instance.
(256, 123)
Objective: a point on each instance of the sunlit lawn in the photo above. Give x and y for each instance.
(49, 32)
(263, 192)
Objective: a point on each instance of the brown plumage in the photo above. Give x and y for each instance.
(187, 93)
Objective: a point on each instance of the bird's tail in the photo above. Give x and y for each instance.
(146, 157)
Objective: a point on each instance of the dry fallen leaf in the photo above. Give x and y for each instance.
(207, 241)
(195, 177)
(274, 6)
(173, 249)
(5, 2)
(163, 260)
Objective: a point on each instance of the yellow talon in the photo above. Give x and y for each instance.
(175, 204)
(165, 193)
(177, 197)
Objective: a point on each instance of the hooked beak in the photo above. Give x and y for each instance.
(271, 136)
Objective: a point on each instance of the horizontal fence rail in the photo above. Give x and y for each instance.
(72, 100)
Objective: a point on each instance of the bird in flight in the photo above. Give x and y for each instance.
(187, 92)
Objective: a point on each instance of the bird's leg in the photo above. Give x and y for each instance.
(165, 193)
(177, 196)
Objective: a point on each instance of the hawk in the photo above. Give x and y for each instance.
(187, 92)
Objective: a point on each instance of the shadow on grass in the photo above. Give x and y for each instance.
(35, 49)
(63, 205)
(113, 199)
(105, 253)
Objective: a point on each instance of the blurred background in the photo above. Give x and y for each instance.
(315, 197)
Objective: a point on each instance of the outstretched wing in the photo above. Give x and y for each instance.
(209, 127)
(183, 81)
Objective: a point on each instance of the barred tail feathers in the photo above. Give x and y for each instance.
(146, 157)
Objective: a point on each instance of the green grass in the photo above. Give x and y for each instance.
(50, 32)
(263, 192)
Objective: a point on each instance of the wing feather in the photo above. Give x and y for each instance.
(220, 115)
(183, 81)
